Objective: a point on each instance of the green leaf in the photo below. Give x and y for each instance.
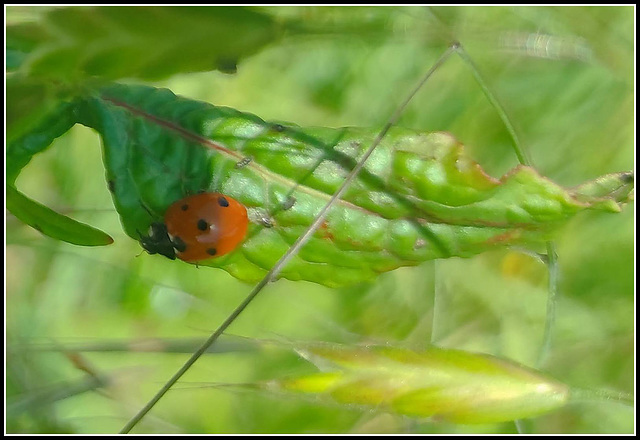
(37, 114)
(53, 224)
(138, 42)
(22, 39)
(606, 190)
(418, 198)
(451, 385)
(29, 102)
(33, 123)
(39, 398)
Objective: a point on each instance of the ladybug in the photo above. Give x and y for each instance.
(198, 227)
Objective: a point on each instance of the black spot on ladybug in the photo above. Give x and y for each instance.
(111, 185)
(203, 225)
(223, 202)
(184, 207)
(211, 251)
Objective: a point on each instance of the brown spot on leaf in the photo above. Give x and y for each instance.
(505, 237)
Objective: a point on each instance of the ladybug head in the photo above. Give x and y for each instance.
(158, 241)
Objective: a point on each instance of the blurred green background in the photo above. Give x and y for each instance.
(571, 98)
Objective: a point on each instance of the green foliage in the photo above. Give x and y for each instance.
(419, 196)
(72, 45)
(53, 224)
(22, 39)
(565, 76)
(137, 42)
(44, 122)
(451, 385)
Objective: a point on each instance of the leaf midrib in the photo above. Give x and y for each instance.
(271, 176)
(264, 172)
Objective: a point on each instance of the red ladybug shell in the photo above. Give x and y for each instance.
(209, 225)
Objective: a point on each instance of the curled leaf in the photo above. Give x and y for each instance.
(419, 197)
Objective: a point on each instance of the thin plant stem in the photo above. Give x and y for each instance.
(552, 257)
(523, 157)
(439, 306)
(552, 267)
(520, 151)
(293, 250)
(617, 397)
(520, 426)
